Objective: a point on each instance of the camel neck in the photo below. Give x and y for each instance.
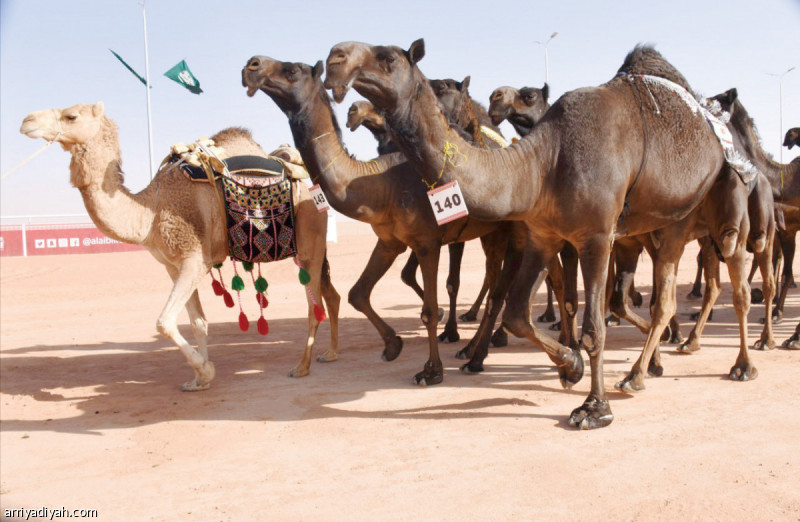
(783, 177)
(352, 187)
(497, 184)
(95, 172)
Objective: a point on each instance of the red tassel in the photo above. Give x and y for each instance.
(262, 300)
(263, 327)
(319, 313)
(244, 324)
(228, 299)
(217, 287)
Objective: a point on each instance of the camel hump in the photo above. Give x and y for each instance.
(645, 60)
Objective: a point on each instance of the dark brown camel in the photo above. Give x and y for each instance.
(588, 172)
(384, 192)
(793, 343)
(363, 112)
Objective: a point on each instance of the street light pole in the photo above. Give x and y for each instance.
(780, 115)
(147, 89)
(545, 53)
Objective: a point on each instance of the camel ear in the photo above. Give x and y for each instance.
(731, 95)
(98, 109)
(416, 51)
(545, 92)
(465, 84)
(317, 70)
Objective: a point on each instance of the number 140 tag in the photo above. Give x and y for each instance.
(447, 203)
(319, 198)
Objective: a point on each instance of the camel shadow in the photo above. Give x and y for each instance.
(121, 385)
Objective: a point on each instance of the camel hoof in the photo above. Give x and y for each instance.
(636, 299)
(791, 344)
(449, 336)
(756, 296)
(694, 295)
(328, 356)
(471, 369)
(655, 369)
(468, 317)
(633, 383)
(392, 349)
(298, 371)
(594, 413)
(429, 377)
(743, 372)
(466, 352)
(556, 327)
(763, 345)
(193, 386)
(547, 317)
(612, 321)
(499, 338)
(690, 346)
(570, 372)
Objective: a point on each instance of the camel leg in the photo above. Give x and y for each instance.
(793, 342)
(787, 248)
(186, 278)
(409, 274)
(697, 287)
(626, 259)
(332, 302)
(549, 314)
(743, 369)
(516, 318)
(450, 333)
(472, 314)
(556, 276)
(314, 266)
(710, 266)
(383, 255)
(433, 371)
(594, 255)
(478, 347)
(569, 308)
(764, 260)
(666, 265)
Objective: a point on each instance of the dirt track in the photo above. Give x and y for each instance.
(92, 416)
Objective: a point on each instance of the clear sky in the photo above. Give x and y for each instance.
(55, 53)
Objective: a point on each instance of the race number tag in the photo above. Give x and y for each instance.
(447, 203)
(319, 198)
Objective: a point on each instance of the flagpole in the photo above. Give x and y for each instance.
(147, 88)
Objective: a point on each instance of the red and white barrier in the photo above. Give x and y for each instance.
(44, 240)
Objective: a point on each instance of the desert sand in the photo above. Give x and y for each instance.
(92, 416)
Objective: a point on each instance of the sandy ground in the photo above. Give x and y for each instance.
(92, 416)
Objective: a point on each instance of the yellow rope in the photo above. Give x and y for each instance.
(450, 152)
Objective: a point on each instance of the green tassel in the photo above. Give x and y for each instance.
(261, 284)
(217, 266)
(304, 276)
(247, 265)
(237, 283)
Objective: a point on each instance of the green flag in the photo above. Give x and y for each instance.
(181, 74)
(128, 67)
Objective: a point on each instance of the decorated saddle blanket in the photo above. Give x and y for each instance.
(717, 119)
(257, 193)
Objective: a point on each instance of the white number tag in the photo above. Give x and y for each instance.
(447, 203)
(319, 198)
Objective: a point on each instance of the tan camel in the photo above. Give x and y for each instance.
(180, 222)
(588, 173)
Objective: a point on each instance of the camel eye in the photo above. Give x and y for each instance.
(71, 117)
(390, 59)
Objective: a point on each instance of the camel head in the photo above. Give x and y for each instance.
(288, 84)
(454, 99)
(792, 137)
(363, 112)
(521, 107)
(382, 74)
(727, 100)
(72, 126)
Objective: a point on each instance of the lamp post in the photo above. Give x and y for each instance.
(780, 115)
(546, 43)
(147, 89)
